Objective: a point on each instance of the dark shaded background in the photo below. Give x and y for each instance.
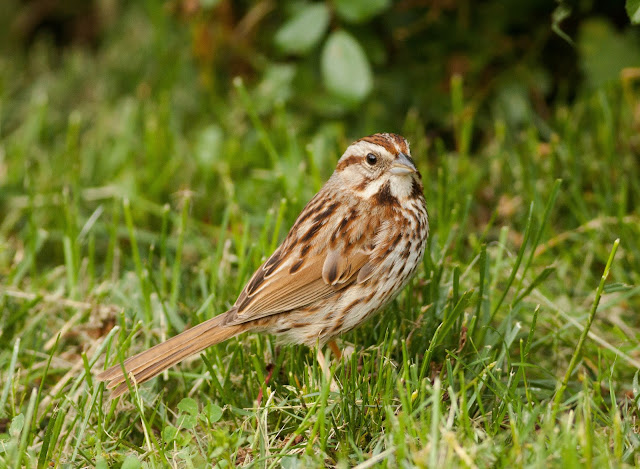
(515, 56)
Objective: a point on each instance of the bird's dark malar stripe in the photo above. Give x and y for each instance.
(384, 196)
(416, 190)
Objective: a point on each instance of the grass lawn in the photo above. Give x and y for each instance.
(133, 204)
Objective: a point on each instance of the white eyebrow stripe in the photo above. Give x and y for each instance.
(363, 147)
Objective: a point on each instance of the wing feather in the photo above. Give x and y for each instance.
(366, 272)
(304, 270)
(282, 290)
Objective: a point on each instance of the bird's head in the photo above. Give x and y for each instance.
(380, 166)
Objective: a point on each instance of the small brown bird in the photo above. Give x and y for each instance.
(351, 250)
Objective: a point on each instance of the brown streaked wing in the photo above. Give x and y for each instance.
(339, 268)
(366, 272)
(284, 291)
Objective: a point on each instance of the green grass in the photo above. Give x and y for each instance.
(132, 210)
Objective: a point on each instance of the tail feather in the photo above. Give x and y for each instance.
(152, 362)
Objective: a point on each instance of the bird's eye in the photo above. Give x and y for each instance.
(372, 159)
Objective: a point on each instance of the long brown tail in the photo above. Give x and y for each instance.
(155, 360)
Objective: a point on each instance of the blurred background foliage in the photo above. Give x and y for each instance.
(324, 71)
(329, 57)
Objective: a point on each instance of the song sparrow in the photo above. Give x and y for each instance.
(351, 250)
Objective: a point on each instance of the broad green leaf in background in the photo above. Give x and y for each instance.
(358, 11)
(169, 433)
(208, 145)
(189, 406)
(604, 52)
(633, 10)
(345, 69)
(17, 423)
(213, 412)
(304, 30)
(275, 87)
(131, 462)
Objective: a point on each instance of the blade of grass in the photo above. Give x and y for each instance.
(265, 140)
(583, 336)
(9, 376)
(26, 429)
(175, 274)
(140, 272)
(545, 221)
(516, 266)
(435, 423)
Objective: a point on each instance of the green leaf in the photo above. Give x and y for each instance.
(633, 10)
(275, 87)
(169, 433)
(345, 68)
(358, 11)
(188, 406)
(213, 412)
(131, 462)
(304, 30)
(208, 145)
(17, 423)
(187, 421)
(290, 462)
(604, 52)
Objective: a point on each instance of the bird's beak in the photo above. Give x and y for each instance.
(403, 165)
